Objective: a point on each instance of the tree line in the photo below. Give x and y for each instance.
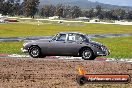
(31, 8)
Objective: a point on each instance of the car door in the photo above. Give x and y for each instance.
(57, 46)
(72, 47)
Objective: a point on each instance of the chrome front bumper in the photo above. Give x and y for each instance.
(106, 53)
(24, 50)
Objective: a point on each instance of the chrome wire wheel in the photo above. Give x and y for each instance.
(34, 52)
(87, 54)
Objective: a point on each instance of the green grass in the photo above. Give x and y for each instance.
(11, 47)
(31, 29)
(119, 47)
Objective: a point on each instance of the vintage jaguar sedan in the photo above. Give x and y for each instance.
(66, 44)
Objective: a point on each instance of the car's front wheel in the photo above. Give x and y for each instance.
(87, 54)
(35, 52)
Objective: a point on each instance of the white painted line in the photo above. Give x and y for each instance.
(19, 56)
(69, 58)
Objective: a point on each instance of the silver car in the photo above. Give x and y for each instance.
(66, 44)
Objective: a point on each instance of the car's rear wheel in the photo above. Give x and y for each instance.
(87, 54)
(35, 52)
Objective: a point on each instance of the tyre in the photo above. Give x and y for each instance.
(81, 80)
(87, 54)
(35, 52)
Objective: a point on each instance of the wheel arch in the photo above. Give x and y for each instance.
(34, 45)
(85, 47)
(40, 52)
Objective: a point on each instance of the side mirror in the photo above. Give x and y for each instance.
(50, 40)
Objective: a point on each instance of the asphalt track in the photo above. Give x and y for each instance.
(18, 39)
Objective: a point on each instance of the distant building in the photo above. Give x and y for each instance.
(83, 19)
(54, 17)
(2, 18)
(95, 20)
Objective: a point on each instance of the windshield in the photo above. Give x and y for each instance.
(55, 37)
(59, 37)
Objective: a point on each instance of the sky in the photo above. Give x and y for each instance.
(115, 2)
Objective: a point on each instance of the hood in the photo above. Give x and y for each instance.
(96, 43)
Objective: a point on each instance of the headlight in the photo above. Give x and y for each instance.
(104, 48)
(25, 44)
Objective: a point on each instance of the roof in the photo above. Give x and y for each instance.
(71, 33)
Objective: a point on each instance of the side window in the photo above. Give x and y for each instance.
(79, 38)
(61, 37)
(71, 37)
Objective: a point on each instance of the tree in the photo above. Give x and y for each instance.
(107, 15)
(11, 1)
(67, 13)
(128, 15)
(99, 12)
(1, 6)
(47, 11)
(90, 13)
(16, 9)
(118, 14)
(10, 7)
(30, 7)
(59, 10)
(76, 11)
(7, 8)
(52, 10)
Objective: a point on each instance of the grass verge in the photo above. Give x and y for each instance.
(119, 47)
(25, 29)
(11, 47)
